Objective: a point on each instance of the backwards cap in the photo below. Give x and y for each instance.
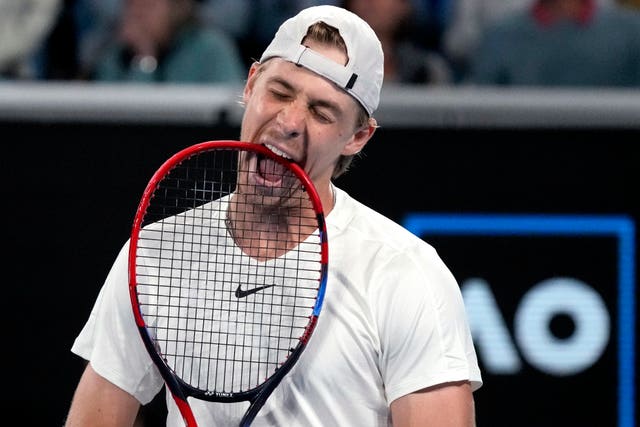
(361, 77)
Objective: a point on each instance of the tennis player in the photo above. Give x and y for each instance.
(392, 346)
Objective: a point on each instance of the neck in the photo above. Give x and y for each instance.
(267, 231)
(327, 198)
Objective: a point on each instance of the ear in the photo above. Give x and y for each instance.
(251, 78)
(360, 138)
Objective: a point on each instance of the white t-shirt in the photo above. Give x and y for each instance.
(393, 322)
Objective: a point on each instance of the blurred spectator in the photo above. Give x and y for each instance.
(630, 3)
(24, 27)
(431, 18)
(95, 23)
(561, 43)
(469, 19)
(231, 16)
(405, 60)
(162, 41)
(263, 19)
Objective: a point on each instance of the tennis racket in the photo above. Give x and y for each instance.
(227, 272)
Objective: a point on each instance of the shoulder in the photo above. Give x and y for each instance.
(363, 229)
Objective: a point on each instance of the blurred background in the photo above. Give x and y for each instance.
(509, 141)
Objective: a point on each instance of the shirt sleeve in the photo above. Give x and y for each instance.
(110, 339)
(425, 337)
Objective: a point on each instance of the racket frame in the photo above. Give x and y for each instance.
(178, 388)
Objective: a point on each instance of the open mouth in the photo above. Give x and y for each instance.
(271, 170)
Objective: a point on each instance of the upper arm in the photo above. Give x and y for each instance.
(99, 403)
(445, 405)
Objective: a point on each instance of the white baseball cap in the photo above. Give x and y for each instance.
(361, 77)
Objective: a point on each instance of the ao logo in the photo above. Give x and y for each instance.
(532, 334)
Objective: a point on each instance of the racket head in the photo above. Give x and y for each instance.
(224, 320)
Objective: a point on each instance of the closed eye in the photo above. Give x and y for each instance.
(322, 116)
(279, 94)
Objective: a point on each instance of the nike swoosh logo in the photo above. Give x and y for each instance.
(240, 293)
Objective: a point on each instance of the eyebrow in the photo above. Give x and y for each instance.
(323, 103)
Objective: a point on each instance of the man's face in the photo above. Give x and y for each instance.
(302, 115)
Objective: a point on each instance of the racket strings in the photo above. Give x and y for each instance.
(224, 320)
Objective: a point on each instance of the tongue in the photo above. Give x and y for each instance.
(271, 170)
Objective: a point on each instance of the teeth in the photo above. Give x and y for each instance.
(278, 152)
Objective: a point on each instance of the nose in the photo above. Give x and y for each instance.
(291, 119)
